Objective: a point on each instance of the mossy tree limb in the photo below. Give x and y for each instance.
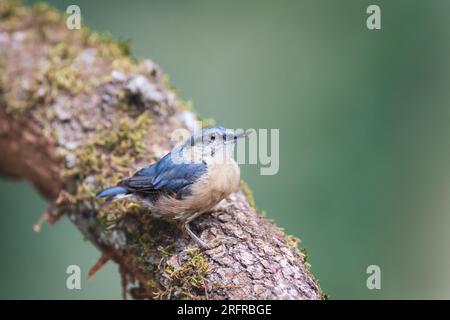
(77, 114)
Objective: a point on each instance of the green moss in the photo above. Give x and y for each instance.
(63, 74)
(107, 222)
(189, 278)
(11, 14)
(115, 147)
(147, 244)
(118, 51)
(107, 45)
(185, 105)
(151, 283)
(248, 193)
(166, 251)
(165, 80)
(111, 148)
(206, 122)
(324, 296)
(46, 13)
(293, 241)
(127, 139)
(305, 255)
(14, 104)
(7, 8)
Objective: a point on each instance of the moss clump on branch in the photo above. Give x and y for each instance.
(188, 278)
(248, 193)
(7, 8)
(68, 65)
(127, 139)
(107, 45)
(13, 15)
(113, 147)
(62, 73)
(295, 242)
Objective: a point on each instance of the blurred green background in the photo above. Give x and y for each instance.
(364, 127)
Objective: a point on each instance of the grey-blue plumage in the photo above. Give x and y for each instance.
(164, 176)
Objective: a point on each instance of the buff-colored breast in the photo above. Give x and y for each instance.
(220, 180)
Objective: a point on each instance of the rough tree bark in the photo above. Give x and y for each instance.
(78, 113)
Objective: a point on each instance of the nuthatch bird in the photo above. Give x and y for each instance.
(188, 181)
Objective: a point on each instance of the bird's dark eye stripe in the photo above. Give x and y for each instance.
(224, 137)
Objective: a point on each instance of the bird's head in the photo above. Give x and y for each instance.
(215, 142)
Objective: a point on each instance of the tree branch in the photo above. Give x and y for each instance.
(76, 114)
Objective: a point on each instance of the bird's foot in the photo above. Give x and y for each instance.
(202, 244)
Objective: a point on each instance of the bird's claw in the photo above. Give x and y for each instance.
(202, 244)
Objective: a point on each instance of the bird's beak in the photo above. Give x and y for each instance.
(240, 135)
(244, 134)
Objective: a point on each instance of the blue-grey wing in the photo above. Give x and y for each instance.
(165, 176)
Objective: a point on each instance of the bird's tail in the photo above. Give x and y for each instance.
(113, 193)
